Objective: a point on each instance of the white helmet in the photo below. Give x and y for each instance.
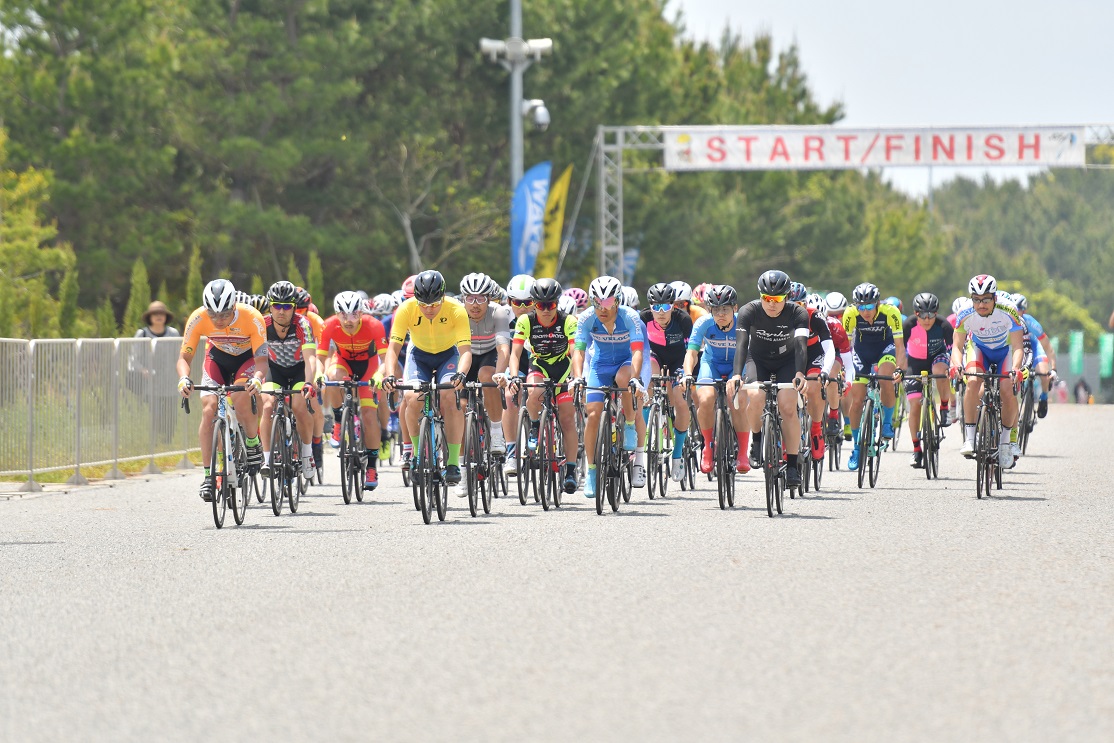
(816, 303)
(629, 297)
(347, 303)
(958, 304)
(477, 283)
(605, 287)
(567, 305)
(383, 304)
(984, 283)
(683, 290)
(398, 296)
(218, 296)
(519, 287)
(836, 301)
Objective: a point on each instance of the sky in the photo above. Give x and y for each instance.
(944, 62)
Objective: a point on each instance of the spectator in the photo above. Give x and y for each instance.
(1082, 392)
(156, 322)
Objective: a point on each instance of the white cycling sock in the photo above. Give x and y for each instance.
(307, 450)
(640, 457)
(266, 457)
(497, 429)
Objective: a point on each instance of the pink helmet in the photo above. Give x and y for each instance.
(408, 287)
(579, 296)
(699, 292)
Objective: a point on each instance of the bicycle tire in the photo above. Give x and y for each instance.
(470, 450)
(770, 464)
(1028, 416)
(218, 474)
(668, 441)
(278, 470)
(731, 458)
(621, 459)
(929, 444)
(602, 459)
(345, 455)
(560, 459)
(862, 444)
(544, 455)
(358, 462)
(522, 455)
(719, 448)
(240, 492)
(876, 458)
(422, 476)
(983, 443)
(440, 484)
(653, 450)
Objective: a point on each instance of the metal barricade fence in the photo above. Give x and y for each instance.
(73, 403)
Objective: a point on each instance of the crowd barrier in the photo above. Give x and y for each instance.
(72, 403)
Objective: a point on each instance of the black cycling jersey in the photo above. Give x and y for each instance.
(548, 343)
(772, 341)
(927, 344)
(668, 343)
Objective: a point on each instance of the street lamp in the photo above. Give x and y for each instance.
(516, 54)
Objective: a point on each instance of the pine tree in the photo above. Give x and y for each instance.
(256, 284)
(194, 286)
(162, 294)
(106, 320)
(7, 319)
(315, 277)
(67, 299)
(293, 275)
(138, 299)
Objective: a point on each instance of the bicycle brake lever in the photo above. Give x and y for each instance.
(186, 405)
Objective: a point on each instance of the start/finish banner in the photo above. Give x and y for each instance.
(826, 147)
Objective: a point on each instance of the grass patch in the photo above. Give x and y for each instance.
(167, 462)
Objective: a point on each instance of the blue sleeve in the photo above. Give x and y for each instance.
(584, 329)
(1035, 328)
(699, 330)
(637, 328)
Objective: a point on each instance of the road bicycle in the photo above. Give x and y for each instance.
(431, 491)
(812, 468)
(931, 428)
(613, 462)
(286, 480)
(544, 465)
(231, 477)
(1028, 418)
(659, 434)
(690, 452)
(725, 445)
(901, 413)
(479, 467)
(988, 430)
(871, 441)
(773, 460)
(353, 455)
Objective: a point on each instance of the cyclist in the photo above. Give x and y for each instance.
(698, 293)
(837, 304)
(520, 300)
(844, 365)
(716, 334)
(615, 334)
(773, 334)
(236, 354)
(440, 352)
(837, 308)
(683, 301)
(992, 331)
(896, 302)
(876, 336)
(579, 296)
(491, 339)
(291, 349)
(668, 330)
(302, 304)
(821, 358)
(929, 346)
(383, 308)
(1039, 352)
(629, 298)
(567, 305)
(359, 343)
(550, 333)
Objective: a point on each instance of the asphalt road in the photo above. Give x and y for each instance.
(909, 612)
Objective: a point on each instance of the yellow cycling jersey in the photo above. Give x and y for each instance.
(888, 318)
(449, 328)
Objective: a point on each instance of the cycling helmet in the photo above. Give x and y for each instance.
(984, 283)
(242, 297)
(579, 296)
(1020, 302)
(661, 294)
(836, 301)
(774, 283)
(519, 287)
(865, 293)
(605, 287)
(383, 304)
(362, 293)
(797, 292)
(347, 303)
(682, 291)
(816, 303)
(721, 295)
(282, 291)
(567, 304)
(218, 296)
(699, 292)
(259, 302)
(398, 296)
(895, 301)
(302, 300)
(476, 283)
(408, 287)
(545, 290)
(629, 297)
(957, 305)
(498, 293)
(429, 286)
(926, 302)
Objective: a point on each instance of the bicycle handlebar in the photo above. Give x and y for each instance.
(348, 383)
(226, 388)
(290, 391)
(485, 385)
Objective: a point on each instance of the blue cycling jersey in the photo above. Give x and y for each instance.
(1033, 331)
(611, 348)
(719, 344)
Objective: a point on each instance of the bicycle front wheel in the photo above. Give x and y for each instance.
(421, 476)
(347, 440)
(876, 458)
(522, 455)
(863, 444)
(603, 460)
(471, 450)
(719, 449)
(278, 466)
(653, 450)
(218, 474)
(545, 477)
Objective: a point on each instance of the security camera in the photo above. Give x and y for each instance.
(541, 118)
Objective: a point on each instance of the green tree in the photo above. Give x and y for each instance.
(315, 276)
(67, 301)
(138, 298)
(106, 320)
(293, 275)
(256, 284)
(194, 285)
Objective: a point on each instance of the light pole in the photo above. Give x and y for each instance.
(515, 55)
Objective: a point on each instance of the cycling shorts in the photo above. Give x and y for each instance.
(868, 358)
(558, 371)
(431, 367)
(815, 365)
(359, 370)
(783, 373)
(983, 358)
(602, 375)
(671, 366)
(479, 361)
(711, 371)
(913, 387)
(226, 369)
(285, 377)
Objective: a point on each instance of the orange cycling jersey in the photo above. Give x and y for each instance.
(315, 322)
(355, 347)
(246, 333)
(696, 312)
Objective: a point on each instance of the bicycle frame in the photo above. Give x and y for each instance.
(773, 466)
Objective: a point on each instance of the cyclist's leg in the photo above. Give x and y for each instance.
(445, 365)
(887, 365)
(242, 402)
(265, 415)
(975, 363)
(416, 371)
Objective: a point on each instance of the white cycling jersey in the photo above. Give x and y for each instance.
(992, 331)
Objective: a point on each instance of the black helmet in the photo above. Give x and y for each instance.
(302, 299)
(926, 302)
(661, 294)
(429, 286)
(546, 290)
(774, 283)
(866, 293)
(282, 291)
(721, 295)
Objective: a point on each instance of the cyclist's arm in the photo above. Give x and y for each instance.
(191, 339)
(502, 355)
(390, 365)
(1017, 347)
(902, 359)
(829, 355)
(960, 337)
(848, 362)
(465, 362)
(742, 345)
(637, 341)
(690, 362)
(577, 362)
(800, 351)
(1048, 350)
(514, 359)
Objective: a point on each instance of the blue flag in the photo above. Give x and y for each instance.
(528, 218)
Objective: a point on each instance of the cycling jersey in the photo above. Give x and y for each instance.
(771, 338)
(367, 342)
(387, 320)
(1034, 332)
(449, 328)
(885, 329)
(492, 329)
(287, 352)
(246, 334)
(718, 343)
(668, 344)
(696, 312)
(615, 347)
(839, 335)
(551, 343)
(993, 331)
(924, 344)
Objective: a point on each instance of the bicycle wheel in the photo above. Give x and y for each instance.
(626, 461)
(347, 439)
(545, 456)
(423, 475)
(928, 437)
(522, 455)
(603, 460)
(817, 471)
(559, 460)
(240, 491)
(653, 450)
(719, 457)
(218, 473)
(876, 458)
(865, 432)
(901, 413)
(666, 457)
(441, 485)
(1028, 415)
(983, 452)
(471, 451)
(274, 479)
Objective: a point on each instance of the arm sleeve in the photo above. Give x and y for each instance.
(848, 362)
(191, 338)
(582, 333)
(503, 326)
(637, 330)
(800, 352)
(326, 340)
(829, 355)
(742, 343)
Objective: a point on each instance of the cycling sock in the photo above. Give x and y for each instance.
(816, 430)
(414, 441)
(707, 434)
(1004, 437)
(640, 457)
(646, 414)
(307, 450)
(679, 443)
(316, 440)
(454, 454)
(1044, 396)
(372, 456)
(744, 439)
(496, 429)
(833, 413)
(407, 449)
(1013, 435)
(266, 457)
(846, 420)
(916, 445)
(384, 434)
(207, 472)
(757, 438)
(888, 415)
(570, 469)
(336, 415)
(253, 441)
(969, 431)
(855, 436)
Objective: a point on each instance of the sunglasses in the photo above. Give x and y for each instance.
(983, 300)
(521, 302)
(545, 306)
(282, 305)
(349, 316)
(226, 315)
(926, 315)
(663, 307)
(476, 299)
(431, 304)
(775, 298)
(605, 303)
(867, 307)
